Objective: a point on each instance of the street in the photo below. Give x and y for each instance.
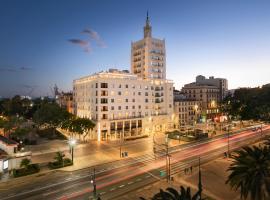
(119, 177)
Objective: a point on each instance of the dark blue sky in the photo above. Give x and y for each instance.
(41, 42)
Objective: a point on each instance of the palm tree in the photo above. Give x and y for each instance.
(25, 163)
(173, 194)
(250, 172)
(267, 142)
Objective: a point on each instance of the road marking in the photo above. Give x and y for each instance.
(112, 189)
(121, 186)
(130, 182)
(102, 193)
(153, 176)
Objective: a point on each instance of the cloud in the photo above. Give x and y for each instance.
(7, 69)
(14, 69)
(25, 68)
(94, 36)
(82, 43)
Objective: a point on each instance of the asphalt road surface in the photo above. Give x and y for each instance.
(120, 177)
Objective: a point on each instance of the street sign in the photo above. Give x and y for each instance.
(162, 173)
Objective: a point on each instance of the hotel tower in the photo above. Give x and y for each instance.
(127, 104)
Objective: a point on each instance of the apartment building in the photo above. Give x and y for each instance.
(125, 104)
(207, 95)
(220, 83)
(186, 109)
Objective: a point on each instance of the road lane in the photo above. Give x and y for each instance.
(110, 177)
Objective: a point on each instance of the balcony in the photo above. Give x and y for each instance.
(127, 117)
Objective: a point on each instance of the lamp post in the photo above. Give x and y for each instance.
(228, 134)
(261, 130)
(93, 181)
(168, 160)
(72, 143)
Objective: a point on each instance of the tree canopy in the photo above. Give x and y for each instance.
(50, 114)
(248, 103)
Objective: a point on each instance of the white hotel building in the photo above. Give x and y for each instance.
(125, 104)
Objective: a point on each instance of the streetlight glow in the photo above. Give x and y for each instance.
(72, 142)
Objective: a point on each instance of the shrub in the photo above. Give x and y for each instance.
(55, 165)
(31, 169)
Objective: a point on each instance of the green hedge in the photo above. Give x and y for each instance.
(56, 165)
(31, 169)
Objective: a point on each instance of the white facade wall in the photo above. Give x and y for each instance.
(123, 97)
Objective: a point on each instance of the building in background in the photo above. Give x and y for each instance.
(220, 83)
(187, 110)
(125, 104)
(148, 56)
(207, 95)
(65, 100)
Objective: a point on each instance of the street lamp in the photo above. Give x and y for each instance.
(72, 143)
(93, 181)
(228, 139)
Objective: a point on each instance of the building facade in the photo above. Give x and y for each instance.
(220, 83)
(207, 95)
(148, 56)
(187, 111)
(65, 100)
(125, 104)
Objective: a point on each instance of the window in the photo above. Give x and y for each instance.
(104, 116)
(119, 86)
(103, 100)
(139, 93)
(104, 108)
(139, 107)
(146, 100)
(104, 93)
(96, 85)
(126, 100)
(112, 107)
(119, 93)
(112, 100)
(133, 107)
(104, 85)
(126, 86)
(146, 93)
(119, 107)
(126, 107)
(133, 100)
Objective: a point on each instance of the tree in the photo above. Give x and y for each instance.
(267, 142)
(50, 114)
(20, 133)
(173, 194)
(250, 172)
(248, 103)
(59, 157)
(25, 163)
(78, 125)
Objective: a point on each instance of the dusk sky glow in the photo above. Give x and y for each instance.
(43, 43)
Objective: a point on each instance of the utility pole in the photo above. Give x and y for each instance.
(200, 180)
